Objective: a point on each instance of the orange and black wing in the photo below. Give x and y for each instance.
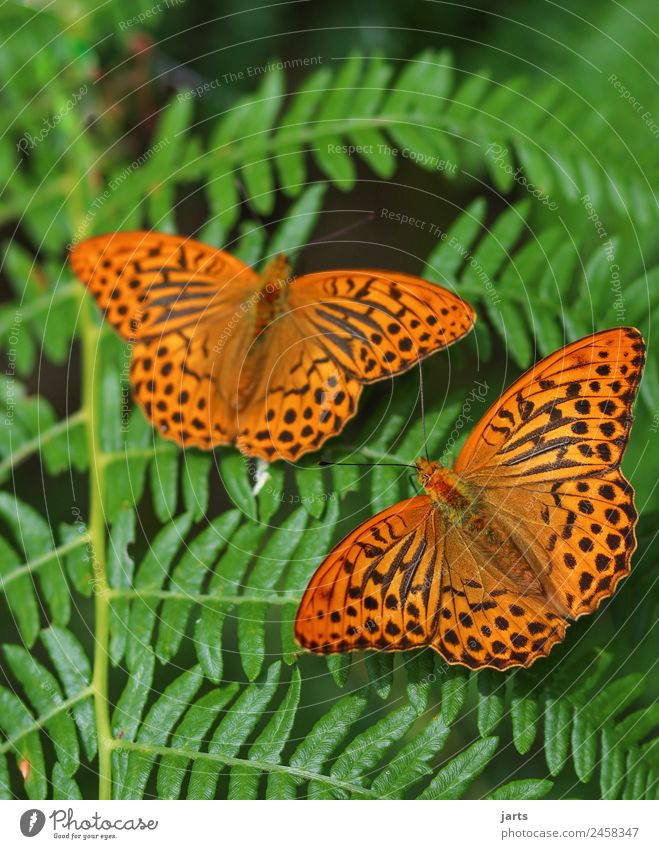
(180, 305)
(298, 396)
(546, 460)
(339, 330)
(569, 415)
(379, 588)
(377, 324)
(151, 284)
(407, 579)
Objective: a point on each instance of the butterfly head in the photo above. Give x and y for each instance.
(446, 488)
(426, 469)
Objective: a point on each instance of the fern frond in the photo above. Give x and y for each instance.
(444, 118)
(331, 761)
(539, 289)
(586, 720)
(426, 110)
(56, 712)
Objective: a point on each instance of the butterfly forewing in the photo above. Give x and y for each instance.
(151, 284)
(375, 324)
(569, 415)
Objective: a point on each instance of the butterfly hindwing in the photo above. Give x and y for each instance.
(578, 533)
(174, 382)
(493, 612)
(378, 588)
(298, 397)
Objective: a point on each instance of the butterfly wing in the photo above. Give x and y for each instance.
(338, 331)
(577, 534)
(297, 396)
(545, 459)
(151, 284)
(378, 588)
(376, 324)
(407, 579)
(181, 304)
(184, 387)
(568, 415)
(493, 609)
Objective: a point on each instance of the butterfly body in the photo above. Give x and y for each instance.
(272, 297)
(486, 530)
(270, 362)
(449, 492)
(533, 527)
(261, 311)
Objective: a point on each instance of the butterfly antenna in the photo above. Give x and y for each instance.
(325, 463)
(423, 412)
(368, 217)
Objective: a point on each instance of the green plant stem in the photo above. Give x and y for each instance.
(32, 446)
(263, 766)
(65, 705)
(202, 598)
(97, 533)
(38, 562)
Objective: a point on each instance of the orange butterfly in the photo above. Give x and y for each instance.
(534, 525)
(270, 362)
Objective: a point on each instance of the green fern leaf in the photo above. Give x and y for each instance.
(454, 778)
